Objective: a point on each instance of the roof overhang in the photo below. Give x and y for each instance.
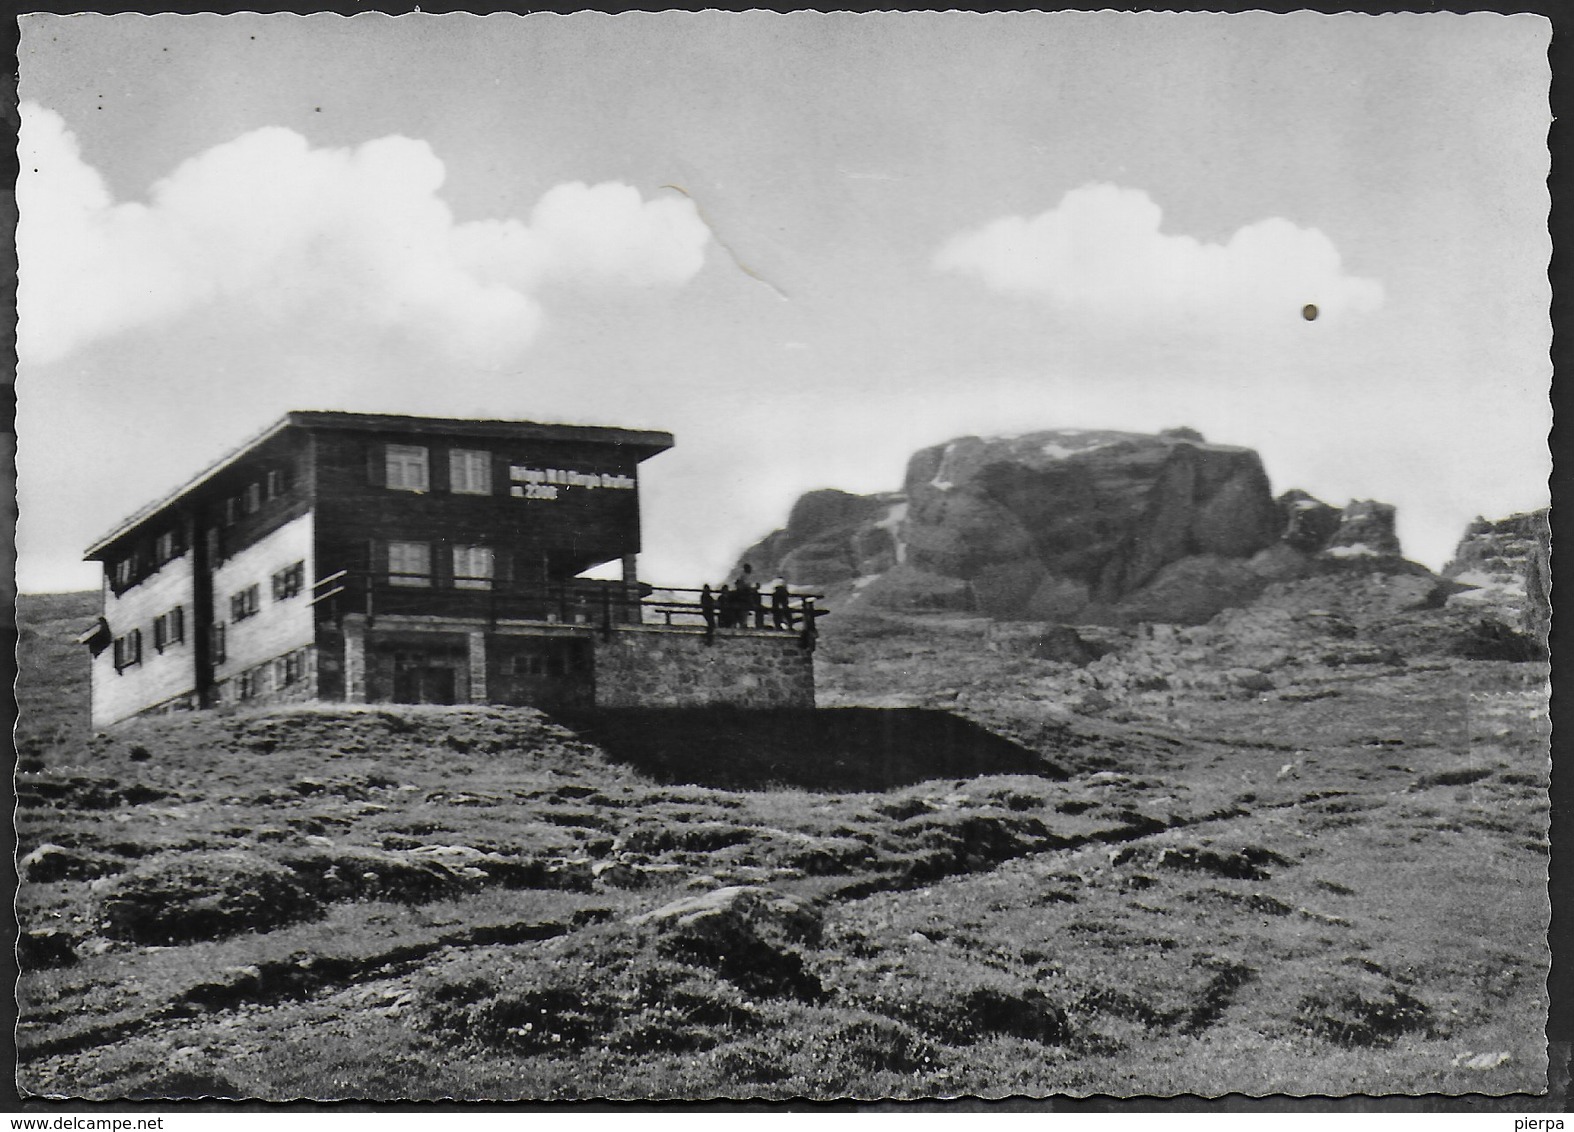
(643, 443)
(143, 514)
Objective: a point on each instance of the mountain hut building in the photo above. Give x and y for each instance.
(360, 558)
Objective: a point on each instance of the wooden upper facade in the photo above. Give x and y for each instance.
(367, 474)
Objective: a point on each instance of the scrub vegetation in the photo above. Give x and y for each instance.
(1300, 849)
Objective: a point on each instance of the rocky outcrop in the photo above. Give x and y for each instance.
(1365, 530)
(832, 536)
(1072, 525)
(1506, 564)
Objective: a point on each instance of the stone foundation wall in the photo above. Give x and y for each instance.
(267, 685)
(653, 667)
(185, 702)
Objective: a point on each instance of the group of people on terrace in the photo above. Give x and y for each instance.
(742, 603)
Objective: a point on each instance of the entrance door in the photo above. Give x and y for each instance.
(420, 678)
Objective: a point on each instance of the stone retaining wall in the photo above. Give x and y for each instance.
(653, 667)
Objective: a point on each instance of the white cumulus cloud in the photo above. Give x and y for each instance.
(283, 227)
(1100, 253)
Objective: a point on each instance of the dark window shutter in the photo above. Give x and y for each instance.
(376, 466)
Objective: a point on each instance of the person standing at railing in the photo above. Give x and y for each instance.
(728, 605)
(708, 608)
(753, 605)
(748, 597)
(781, 611)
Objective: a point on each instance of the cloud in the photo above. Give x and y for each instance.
(283, 228)
(588, 235)
(1099, 253)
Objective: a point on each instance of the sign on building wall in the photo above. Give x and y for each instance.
(548, 483)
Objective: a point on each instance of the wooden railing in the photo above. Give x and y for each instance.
(579, 601)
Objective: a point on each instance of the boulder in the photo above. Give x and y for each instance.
(1080, 526)
(905, 586)
(1366, 530)
(1061, 599)
(818, 564)
(766, 912)
(748, 935)
(1282, 561)
(1506, 565)
(1191, 590)
(42, 948)
(831, 536)
(1308, 523)
(1106, 509)
(1044, 642)
(204, 895)
(1001, 590)
(820, 513)
(50, 862)
(1489, 639)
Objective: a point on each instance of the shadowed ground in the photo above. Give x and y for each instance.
(829, 750)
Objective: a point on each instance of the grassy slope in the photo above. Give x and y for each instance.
(1282, 863)
(52, 673)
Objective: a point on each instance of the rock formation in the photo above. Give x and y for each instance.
(1073, 525)
(1507, 564)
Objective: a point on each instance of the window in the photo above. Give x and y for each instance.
(231, 511)
(167, 546)
(169, 628)
(276, 483)
(125, 572)
(252, 498)
(128, 650)
(288, 582)
(406, 467)
(473, 567)
(244, 603)
(217, 642)
(248, 683)
(524, 664)
(538, 664)
(469, 473)
(215, 545)
(409, 564)
(289, 668)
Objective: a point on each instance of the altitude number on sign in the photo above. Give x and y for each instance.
(535, 491)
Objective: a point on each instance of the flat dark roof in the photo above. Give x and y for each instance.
(653, 442)
(645, 442)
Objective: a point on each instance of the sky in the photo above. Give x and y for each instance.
(807, 245)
